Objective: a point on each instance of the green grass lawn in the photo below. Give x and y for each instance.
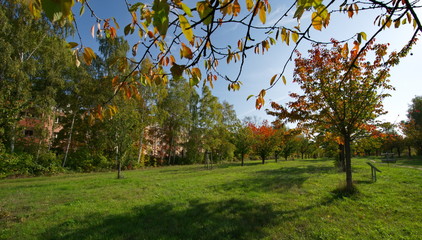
(285, 200)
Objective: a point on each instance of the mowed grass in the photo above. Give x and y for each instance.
(286, 200)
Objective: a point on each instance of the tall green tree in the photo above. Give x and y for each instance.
(413, 126)
(243, 140)
(35, 60)
(210, 117)
(176, 116)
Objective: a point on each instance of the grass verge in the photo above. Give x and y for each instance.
(286, 200)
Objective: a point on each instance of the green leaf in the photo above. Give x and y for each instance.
(249, 97)
(299, 12)
(128, 29)
(177, 70)
(186, 9)
(135, 7)
(58, 10)
(161, 16)
(186, 28)
(82, 10)
(71, 44)
(204, 9)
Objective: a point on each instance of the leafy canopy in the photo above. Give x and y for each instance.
(193, 26)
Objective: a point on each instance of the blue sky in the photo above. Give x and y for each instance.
(260, 68)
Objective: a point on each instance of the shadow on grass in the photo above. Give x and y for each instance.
(410, 162)
(228, 219)
(239, 164)
(278, 180)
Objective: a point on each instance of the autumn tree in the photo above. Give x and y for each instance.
(263, 139)
(336, 97)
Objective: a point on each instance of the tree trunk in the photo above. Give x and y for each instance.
(119, 163)
(409, 149)
(243, 156)
(263, 160)
(349, 183)
(12, 139)
(342, 163)
(69, 139)
(140, 152)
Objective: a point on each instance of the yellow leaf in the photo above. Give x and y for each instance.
(295, 37)
(272, 80)
(363, 34)
(284, 80)
(262, 93)
(316, 21)
(88, 55)
(388, 24)
(186, 28)
(345, 50)
(262, 14)
(397, 23)
(249, 4)
(186, 52)
(197, 72)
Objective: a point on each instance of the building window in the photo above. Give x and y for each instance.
(29, 133)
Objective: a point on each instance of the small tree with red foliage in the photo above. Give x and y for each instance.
(263, 139)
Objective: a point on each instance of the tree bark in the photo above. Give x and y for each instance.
(349, 183)
(140, 153)
(12, 139)
(119, 163)
(69, 139)
(243, 156)
(341, 157)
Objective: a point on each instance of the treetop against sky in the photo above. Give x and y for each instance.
(244, 44)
